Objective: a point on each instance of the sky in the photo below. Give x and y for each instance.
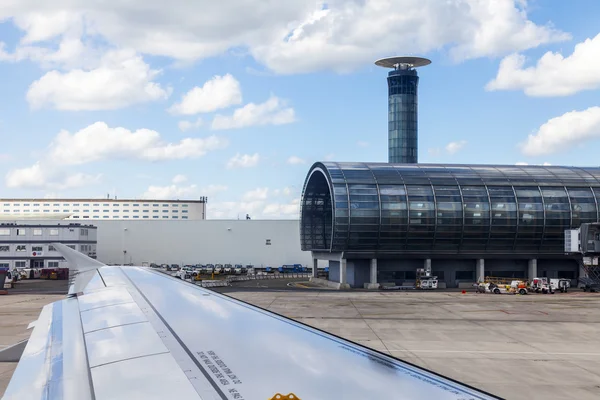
(236, 99)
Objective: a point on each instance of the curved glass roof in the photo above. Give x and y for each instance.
(445, 209)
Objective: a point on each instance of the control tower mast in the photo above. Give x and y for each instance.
(403, 83)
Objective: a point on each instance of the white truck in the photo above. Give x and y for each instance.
(549, 285)
(428, 283)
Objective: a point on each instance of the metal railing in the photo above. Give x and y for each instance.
(241, 278)
(222, 283)
(291, 275)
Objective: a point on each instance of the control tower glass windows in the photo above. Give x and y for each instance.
(402, 118)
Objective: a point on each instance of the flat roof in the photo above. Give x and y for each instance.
(4, 224)
(201, 200)
(392, 62)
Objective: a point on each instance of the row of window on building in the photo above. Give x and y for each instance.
(23, 264)
(96, 211)
(92, 204)
(35, 231)
(40, 248)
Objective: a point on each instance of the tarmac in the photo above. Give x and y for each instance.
(516, 347)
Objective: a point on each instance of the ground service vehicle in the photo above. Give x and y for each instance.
(488, 287)
(427, 283)
(517, 287)
(542, 285)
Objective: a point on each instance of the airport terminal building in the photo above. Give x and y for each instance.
(378, 222)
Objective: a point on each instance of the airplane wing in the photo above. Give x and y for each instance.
(135, 333)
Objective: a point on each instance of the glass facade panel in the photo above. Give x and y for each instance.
(503, 211)
(476, 208)
(449, 211)
(421, 217)
(558, 216)
(530, 218)
(468, 210)
(583, 206)
(402, 116)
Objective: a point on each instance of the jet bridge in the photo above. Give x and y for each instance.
(584, 244)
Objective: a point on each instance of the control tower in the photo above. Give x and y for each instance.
(403, 82)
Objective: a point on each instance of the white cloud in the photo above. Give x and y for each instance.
(121, 79)
(70, 52)
(271, 112)
(290, 36)
(546, 164)
(279, 210)
(362, 143)
(345, 30)
(453, 147)
(178, 191)
(170, 192)
(295, 160)
(219, 92)
(40, 176)
(450, 148)
(261, 202)
(234, 209)
(257, 209)
(563, 132)
(256, 194)
(243, 161)
(212, 190)
(187, 125)
(179, 179)
(553, 75)
(99, 141)
(328, 157)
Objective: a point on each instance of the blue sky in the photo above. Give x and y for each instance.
(96, 96)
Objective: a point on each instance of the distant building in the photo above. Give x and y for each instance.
(81, 209)
(29, 245)
(141, 241)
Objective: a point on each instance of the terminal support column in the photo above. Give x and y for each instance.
(343, 278)
(532, 269)
(315, 271)
(373, 275)
(480, 270)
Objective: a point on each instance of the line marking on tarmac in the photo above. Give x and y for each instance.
(497, 352)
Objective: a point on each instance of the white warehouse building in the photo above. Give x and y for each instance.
(103, 209)
(134, 241)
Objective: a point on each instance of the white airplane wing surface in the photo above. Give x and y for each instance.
(135, 333)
